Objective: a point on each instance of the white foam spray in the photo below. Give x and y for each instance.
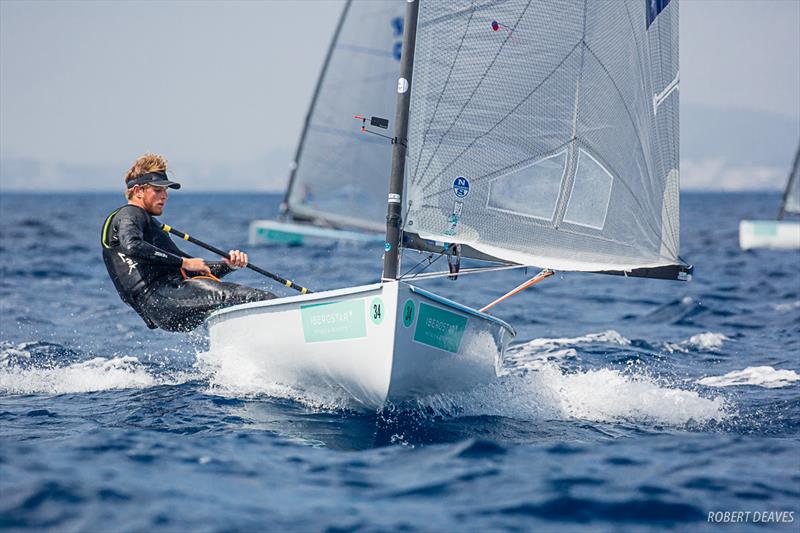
(537, 388)
(707, 341)
(231, 375)
(759, 376)
(94, 375)
(533, 387)
(97, 374)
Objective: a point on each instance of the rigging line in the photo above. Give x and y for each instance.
(533, 281)
(418, 264)
(467, 271)
(474, 90)
(441, 94)
(487, 132)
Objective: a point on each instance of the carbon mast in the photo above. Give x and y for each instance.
(394, 213)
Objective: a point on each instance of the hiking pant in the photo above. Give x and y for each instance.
(183, 304)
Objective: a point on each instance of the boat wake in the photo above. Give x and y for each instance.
(538, 382)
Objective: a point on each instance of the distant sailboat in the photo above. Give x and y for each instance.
(337, 186)
(551, 143)
(780, 233)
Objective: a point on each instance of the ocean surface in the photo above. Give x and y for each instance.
(624, 404)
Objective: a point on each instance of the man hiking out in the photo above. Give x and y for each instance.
(169, 288)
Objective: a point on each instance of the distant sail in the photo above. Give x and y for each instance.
(340, 174)
(546, 133)
(791, 197)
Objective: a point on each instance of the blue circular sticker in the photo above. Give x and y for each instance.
(461, 186)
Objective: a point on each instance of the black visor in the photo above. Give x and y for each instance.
(157, 179)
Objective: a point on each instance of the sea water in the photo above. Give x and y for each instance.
(624, 404)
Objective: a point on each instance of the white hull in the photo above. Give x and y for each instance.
(775, 234)
(274, 232)
(376, 343)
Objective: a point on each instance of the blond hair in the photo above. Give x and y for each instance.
(143, 165)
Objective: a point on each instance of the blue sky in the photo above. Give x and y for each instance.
(222, 90)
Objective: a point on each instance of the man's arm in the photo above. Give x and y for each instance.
(130, 230)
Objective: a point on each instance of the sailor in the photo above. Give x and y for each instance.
(167, 287)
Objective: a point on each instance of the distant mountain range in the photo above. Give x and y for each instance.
(724, 149)
(269, 173)
(721, 149)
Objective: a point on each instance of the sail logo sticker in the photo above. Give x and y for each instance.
(461, 187)
(397, 27)
(454, 219)
(334, 321)
(653, 8)
(402, 85)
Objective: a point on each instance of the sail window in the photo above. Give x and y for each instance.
(531, 190)
(591, 193)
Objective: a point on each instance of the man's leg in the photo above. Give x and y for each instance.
(184, 306)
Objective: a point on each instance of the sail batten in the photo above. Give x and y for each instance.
(546, 133)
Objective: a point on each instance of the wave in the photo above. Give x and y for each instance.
(707, 341)
(42, 368)
(603, 395)
(606, 337)
(785, 307)
(760, 376)
(96, 374)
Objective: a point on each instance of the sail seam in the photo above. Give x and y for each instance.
(497, 173)
(474, 90)
(641, 150)
(441, 94)
(487, 132)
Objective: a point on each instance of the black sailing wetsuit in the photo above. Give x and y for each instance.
(144, 265)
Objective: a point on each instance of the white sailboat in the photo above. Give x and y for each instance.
(777, 234)
(337, 183)
(533, 133)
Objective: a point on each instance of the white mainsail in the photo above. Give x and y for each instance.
(546, 133)
(339, 175)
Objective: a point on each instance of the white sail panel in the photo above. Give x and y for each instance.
(341, 174)
(791, 202)
(546, 133)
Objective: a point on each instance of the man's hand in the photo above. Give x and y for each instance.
(238, 259)
(195, 264)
